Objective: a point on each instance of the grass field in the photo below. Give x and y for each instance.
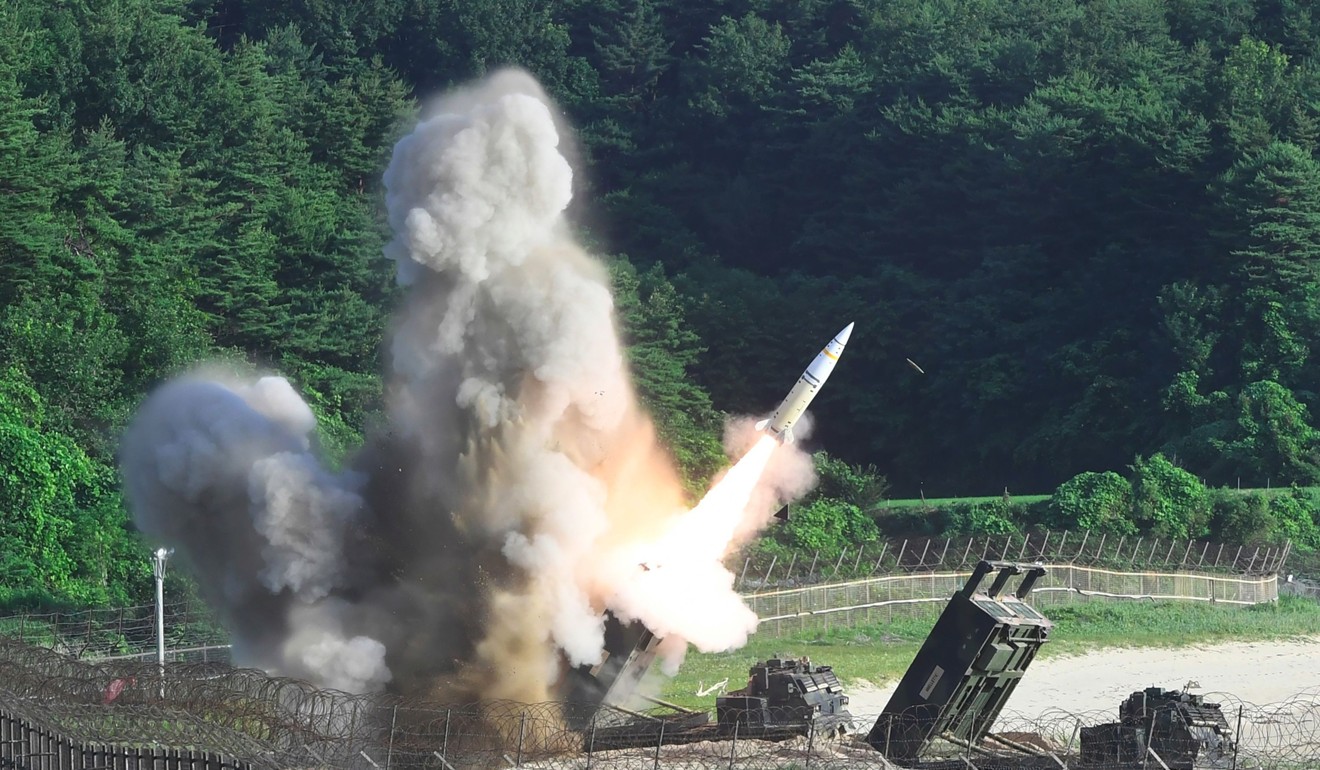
(878, 654)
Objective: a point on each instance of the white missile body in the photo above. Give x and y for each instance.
(780, 424)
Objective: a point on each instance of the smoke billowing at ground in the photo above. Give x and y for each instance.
(471, 548)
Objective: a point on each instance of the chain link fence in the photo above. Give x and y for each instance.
(877, 600)
(761, 572)
(191, 632)
(870, 584)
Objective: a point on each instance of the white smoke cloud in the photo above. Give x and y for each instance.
(518, 492)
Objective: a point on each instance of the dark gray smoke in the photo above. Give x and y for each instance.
(473, 546)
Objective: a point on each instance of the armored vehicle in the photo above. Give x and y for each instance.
(785, 696)
(1179, 728)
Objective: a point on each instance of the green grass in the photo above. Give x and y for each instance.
(878, 654)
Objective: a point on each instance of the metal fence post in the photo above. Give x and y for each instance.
(522, 734)
(389, 752)
(1237, 737)
(659, 742)
(444, 746)
(883, 547)
(811, 742)
(733, 745)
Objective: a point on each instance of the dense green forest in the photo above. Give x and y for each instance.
(1094, 226)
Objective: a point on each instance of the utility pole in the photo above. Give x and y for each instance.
(159, 568)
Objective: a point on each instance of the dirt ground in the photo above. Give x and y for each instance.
(1260, 673)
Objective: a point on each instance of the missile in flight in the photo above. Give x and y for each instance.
(780, 424)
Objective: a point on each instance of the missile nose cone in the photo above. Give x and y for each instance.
(843, 336)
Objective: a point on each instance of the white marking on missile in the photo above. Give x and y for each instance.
(913, 364)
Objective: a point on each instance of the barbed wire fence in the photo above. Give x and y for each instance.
(760, 572)
(192, 632)
(55, 709)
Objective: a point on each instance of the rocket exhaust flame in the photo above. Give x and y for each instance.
(470, 550)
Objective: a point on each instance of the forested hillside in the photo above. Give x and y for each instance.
(1093, 226)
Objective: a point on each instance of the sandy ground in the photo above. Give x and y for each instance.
(1253, 672)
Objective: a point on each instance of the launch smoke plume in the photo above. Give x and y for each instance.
(472, 548)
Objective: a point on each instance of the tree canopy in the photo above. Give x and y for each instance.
(1071, 234)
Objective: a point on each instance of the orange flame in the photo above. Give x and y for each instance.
(677, 584)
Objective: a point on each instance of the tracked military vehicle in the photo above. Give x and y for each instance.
(785, 696)
(1180, 728)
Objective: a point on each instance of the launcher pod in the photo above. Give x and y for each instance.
(968, 666)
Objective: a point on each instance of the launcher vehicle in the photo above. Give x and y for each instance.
(1178, 730)
(786, 696)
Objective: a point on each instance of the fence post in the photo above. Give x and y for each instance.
(963, 561)
(1063, 542)
(444, 745)
(659, 742)
(921, 563)
(522, 734)
(1237, 737)
(389, 752)
(788, 573)
(945, 551)
(883, 547)
(1100, 549)
(899, 564)
(742, 578)
(765, 581)
(812, 569)
(1085, 536)
(1025, 539)
(839, 563)
(811, 742)
(733, 747)
(591, 743)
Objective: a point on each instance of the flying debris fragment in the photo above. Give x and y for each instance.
(780, 424)
(913, 364)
